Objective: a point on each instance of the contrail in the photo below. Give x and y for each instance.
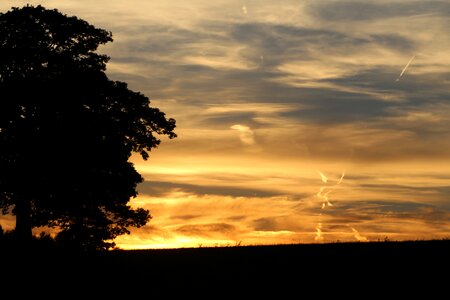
(358, 236)
(319, 236)
(406, 67)
(324, 196)
(324, 178)
(342, 178)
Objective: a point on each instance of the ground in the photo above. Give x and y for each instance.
(332, 269)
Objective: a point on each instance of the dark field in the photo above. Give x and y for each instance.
(377, 267)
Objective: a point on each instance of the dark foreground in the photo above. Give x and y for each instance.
(379, 267)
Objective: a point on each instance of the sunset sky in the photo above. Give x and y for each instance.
(297, 121)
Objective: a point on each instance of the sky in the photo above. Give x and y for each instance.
(298, 121)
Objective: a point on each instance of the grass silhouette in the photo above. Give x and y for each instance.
(251, 269)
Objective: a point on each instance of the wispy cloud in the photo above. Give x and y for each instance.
(245, 134)
(244, 9)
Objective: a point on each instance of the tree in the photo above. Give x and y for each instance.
(67, 131)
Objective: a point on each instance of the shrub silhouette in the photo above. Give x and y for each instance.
(67, 131)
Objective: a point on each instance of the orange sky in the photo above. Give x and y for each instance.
(269, 94)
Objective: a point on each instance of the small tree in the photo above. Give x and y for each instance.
(67, 131)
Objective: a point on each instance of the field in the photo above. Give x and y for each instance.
(375, 267)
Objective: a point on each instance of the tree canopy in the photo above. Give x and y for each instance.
(67, 131)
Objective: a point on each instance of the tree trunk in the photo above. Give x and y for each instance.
(23, 230)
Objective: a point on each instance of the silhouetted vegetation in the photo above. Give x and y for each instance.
(67, 131)
(339, 268)
(42, 242)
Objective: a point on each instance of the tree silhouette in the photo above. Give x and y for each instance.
(67, 131)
